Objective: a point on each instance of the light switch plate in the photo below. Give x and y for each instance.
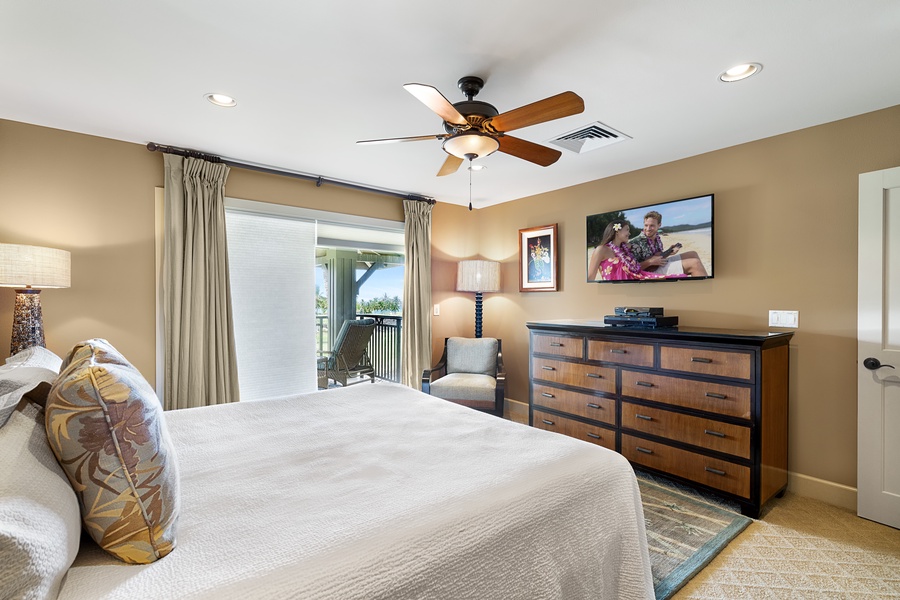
(784, 318)
(437, 310)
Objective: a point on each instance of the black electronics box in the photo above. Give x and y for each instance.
(649, 322)
(638, 311)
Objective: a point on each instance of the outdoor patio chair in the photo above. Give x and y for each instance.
(350, 357)
(470, 373)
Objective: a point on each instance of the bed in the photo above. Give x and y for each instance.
(378, 491)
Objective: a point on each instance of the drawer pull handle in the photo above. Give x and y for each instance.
(715, 433)
(644, 383)
(700, 359)
(546, 368)
(595, 376)
(644, 450)
(593, 435)
(618, 351)
(546, 422)
(715, 471)
(546, 395)
(555, 345)
(644, 417)
(592, 405)
(715, 395)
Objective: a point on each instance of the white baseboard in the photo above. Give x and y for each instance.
(820, 489)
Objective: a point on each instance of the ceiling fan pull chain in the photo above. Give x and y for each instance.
(470, 182)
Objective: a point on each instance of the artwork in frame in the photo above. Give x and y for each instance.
(538, 259)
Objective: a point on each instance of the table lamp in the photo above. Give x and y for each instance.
(478, 276)
(27, 269)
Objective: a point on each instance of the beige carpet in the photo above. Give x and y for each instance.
(802, 548)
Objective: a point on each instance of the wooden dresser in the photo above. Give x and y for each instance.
(707, 407)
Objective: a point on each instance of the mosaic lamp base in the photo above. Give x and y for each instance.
(28, 322)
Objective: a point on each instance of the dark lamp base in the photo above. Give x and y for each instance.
(28, 322)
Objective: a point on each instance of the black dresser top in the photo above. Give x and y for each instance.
(694, 334)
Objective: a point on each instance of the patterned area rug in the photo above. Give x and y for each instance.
(684, 532)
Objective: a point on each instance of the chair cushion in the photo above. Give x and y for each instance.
(465, 386)
(40, 524)
(107, 429)
(472, 355)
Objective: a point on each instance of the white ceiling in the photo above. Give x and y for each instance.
(313, 78)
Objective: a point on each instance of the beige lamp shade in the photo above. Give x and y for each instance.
(34, 266)
(478, 276)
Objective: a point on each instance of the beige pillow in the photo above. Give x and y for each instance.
(106, 427)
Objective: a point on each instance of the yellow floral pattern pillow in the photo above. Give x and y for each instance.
(106, 427)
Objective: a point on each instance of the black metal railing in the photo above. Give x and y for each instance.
(384, 347)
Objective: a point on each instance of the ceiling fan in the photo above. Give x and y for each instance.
(475, 129)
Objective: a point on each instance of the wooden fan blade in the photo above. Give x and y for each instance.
(433, 99)
(548, 109)
(438, 136)
(539, 155)
(450, 166)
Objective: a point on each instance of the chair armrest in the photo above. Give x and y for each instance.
(436, 372)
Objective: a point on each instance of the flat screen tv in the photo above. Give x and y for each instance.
(667, 241)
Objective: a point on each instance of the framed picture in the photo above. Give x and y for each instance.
(538, 259)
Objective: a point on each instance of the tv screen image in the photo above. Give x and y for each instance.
(667, 241)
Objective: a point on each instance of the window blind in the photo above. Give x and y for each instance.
(272, 270)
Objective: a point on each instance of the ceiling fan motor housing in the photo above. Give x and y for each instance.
(475, 112)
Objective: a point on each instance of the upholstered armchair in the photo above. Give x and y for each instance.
(350, 357)
(470, 373)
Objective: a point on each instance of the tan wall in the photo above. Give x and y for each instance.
(785, 227)
(95, 197)
(786, 223)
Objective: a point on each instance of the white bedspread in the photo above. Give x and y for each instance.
(381, 492)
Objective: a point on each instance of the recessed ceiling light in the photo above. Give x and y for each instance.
(221, 100)
(474, 167)
(739, 72)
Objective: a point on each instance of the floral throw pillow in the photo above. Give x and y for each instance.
(106, 427)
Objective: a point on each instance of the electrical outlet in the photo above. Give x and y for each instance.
(437, 310)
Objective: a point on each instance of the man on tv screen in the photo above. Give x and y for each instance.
(647, 248)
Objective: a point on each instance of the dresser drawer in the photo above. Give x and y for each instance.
(576, 429)
(719, 474)
(572, 347)
(583, 405)
(706, 433)
(602, 379)
(703, 361)
(623, 353)
(731, 400)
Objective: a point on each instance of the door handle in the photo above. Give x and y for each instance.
(873, 364)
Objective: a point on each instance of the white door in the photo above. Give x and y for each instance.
(878, 471)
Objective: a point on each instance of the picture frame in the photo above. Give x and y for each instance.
(538, 259)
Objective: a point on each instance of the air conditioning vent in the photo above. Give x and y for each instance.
(592, 136)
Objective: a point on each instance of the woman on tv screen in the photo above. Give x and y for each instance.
(613, 259)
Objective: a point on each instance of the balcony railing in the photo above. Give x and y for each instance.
(384, 347)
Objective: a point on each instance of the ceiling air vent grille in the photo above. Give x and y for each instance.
(593, 136)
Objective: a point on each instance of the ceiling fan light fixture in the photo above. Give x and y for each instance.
(221, 100)
(739, 72)
(471, 142)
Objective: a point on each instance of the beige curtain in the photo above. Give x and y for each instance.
(200, 364)
(416, 337)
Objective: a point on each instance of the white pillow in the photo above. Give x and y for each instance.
(40, 521)
(36, 356)
(17, 381)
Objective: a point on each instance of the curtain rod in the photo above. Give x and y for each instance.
(153, 147)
